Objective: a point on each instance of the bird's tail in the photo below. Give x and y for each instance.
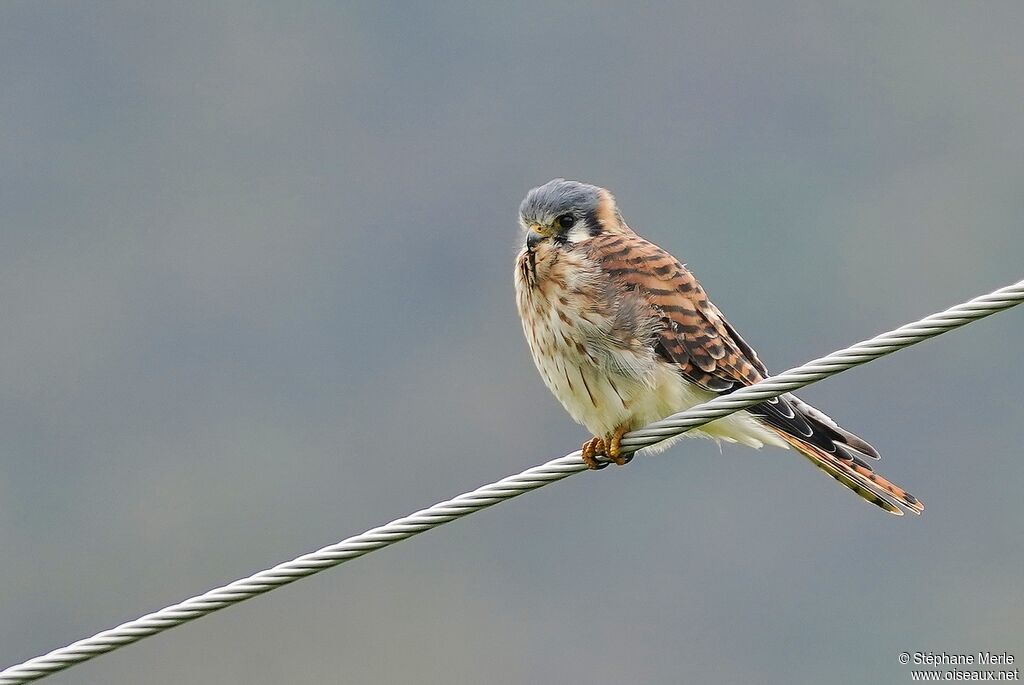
(853, 472)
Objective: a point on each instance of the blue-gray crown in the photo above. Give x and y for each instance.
(557, 197)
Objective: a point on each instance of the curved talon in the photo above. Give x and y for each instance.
(590, 449)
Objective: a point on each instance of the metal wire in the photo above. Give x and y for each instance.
(823, 367)
(506, 488)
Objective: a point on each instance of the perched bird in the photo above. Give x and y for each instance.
(623, 335)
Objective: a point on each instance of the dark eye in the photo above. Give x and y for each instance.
(566, 221)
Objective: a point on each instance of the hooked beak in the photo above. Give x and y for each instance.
(533, 237)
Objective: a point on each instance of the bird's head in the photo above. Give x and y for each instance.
(567, 212)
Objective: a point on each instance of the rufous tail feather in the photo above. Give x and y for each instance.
(858, 476)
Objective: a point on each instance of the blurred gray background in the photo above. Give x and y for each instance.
(255, 265)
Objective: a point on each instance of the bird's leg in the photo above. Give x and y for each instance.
(609, 446)
(614, 442)
(590, 449)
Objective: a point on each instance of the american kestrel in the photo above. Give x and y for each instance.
(623, 335)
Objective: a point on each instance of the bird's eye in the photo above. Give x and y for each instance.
(566, 221)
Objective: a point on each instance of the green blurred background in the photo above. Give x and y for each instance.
(255, 264)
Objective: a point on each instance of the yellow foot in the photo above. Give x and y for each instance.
(592, 448)
(615, 447)
(609, 446)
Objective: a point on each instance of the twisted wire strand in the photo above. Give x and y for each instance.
(829, 365)
(506, 488)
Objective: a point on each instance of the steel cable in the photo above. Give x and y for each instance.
(506, 488)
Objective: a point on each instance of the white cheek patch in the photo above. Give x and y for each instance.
(578, 232)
